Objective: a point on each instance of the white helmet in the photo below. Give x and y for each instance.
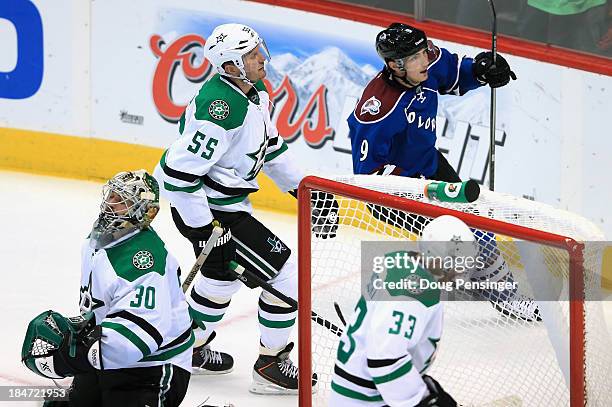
(447, 237)
(228, 43)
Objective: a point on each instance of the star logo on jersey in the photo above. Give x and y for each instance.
(371, 106)
(258, 156)
(221, 37)
(219, 109)
(277, 245)
(143, 260)
(87, 301)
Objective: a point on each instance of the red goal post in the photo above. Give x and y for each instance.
(573, 248)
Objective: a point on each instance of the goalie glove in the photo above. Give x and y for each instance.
(56, 347)
(437, 396)
(324, 215)
(496, 75)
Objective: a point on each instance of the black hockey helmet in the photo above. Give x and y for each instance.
(399, 41)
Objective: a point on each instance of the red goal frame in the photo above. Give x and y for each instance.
(574, 249)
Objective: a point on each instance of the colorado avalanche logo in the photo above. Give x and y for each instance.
(372, 106)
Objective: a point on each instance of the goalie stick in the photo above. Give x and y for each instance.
(210, 243)
(245, 275)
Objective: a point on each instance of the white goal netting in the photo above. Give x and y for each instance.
(484, 356)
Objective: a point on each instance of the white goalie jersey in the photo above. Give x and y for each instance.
(385, 348)
(226, 139)
(133, 289)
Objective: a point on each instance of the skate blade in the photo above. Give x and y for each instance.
(271, 389)
(260, 385)
(198, 371)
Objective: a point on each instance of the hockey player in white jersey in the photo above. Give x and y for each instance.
(225, 139)
(386, 349)
(132, 345)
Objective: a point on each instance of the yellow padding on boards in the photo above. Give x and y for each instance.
(95, 159)
(72, 157)
(606, 269)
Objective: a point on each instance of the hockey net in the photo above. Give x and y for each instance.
(484, 357)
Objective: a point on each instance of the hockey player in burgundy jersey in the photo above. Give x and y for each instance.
(393, 127)
(393, 131)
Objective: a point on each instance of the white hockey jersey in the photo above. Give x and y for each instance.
(226, 139)
(385, 349)
(132, 287)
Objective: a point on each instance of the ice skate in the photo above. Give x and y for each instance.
(206, 361)
(277, 375)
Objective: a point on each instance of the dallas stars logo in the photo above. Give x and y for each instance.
(221, 37)
(219, 109)
(413, 282)
(87, 301)
(143, 260)
(276, 244)
(258, 156)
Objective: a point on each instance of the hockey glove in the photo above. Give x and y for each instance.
(437, 396)
(56, 347)
(224, 249)
(324, 215)
(496, 75)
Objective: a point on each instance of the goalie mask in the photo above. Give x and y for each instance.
(229, 43)
(446, 244)
(130, 201)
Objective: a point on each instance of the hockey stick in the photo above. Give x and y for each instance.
(245, 276)
(493, 107)
(210, 243)
(339, 312)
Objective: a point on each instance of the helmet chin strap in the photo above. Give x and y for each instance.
(242, 76)
(405, 81)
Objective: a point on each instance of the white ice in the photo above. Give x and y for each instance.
(43, 221)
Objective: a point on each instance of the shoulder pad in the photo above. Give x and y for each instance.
(139, 255)
(378, 100)
(219, 103)
(433, 52)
